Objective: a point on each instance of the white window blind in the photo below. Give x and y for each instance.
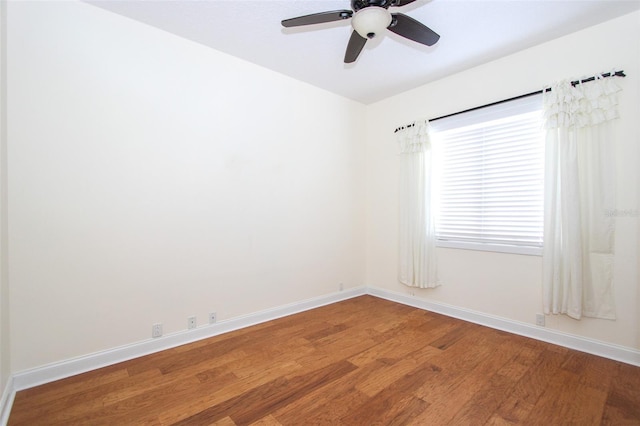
(489, 178)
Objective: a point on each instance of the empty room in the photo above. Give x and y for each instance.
(409, 212)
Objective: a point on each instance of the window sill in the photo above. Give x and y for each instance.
(498, 248)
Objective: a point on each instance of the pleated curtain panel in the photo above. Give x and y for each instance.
(417, 255)
(579, 235)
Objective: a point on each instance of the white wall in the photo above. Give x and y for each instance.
(152, 179)
(5, 367)
(506, 285)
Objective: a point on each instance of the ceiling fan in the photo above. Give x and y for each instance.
(370, 18)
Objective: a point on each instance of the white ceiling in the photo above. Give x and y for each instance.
(472, 32)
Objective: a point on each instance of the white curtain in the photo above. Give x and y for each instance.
(579, 191)
(417, 262)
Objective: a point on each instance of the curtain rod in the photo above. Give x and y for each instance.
(573, 83)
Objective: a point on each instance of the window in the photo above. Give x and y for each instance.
(489, 178)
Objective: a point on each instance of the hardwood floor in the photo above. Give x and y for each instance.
(364, 361)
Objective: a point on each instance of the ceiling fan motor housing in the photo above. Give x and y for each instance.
(357, 5)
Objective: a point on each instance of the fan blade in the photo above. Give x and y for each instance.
(408, 27)
(356, 43)
(401, 2)
(317, 18)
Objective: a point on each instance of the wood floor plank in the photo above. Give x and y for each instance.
(455, 333)
(390, 370)
(362, 361)
(399, 343)
(267, 421)
(592, 371)
(62, 388)
(523, 361)
(322, 407)
(461, 387)
(327, 405)
(212, 394)
(623, 399)
(395, 404)
(454, 364)
(79, 403)
(525, 394)
(566, 398)
(113, 392)
(484, 402)
(142, 407)
(262, 400)
(387, 408)
(223, 422)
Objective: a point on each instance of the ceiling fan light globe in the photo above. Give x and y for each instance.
(370, 21)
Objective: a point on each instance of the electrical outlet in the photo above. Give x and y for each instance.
(191, 323)
(212, 317)
(341, 286)
(540, 320)
(156, 330)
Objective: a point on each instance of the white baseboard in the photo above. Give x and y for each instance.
(595, 347)
(6, 402)
(71, 367)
